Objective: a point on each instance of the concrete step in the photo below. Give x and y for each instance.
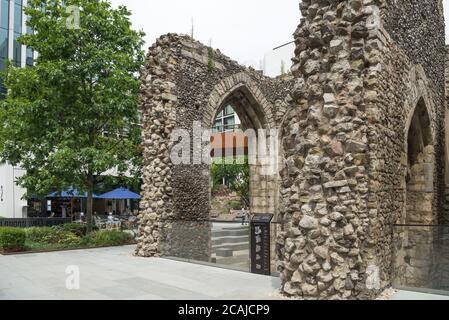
(236, 260)
(234, 246)
(230, 239)
(230, 232)
(224, 252)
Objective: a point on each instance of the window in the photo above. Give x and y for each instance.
(4, 19)
(217, 126)
(228, 111)
(2, 90)
(29, 61)
(18, 17)
(229, 123)
(17, 47)
(3, 57)
(4, 38)
(29, 52)
(226, 120)
(3, 44)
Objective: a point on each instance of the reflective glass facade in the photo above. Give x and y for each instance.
(17, 52)
(12, 26)
(226, 120)
(4, 38)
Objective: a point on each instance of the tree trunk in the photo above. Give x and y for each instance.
(90, 203)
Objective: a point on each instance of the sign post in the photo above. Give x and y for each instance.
(260, 244)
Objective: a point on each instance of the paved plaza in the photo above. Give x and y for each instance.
(114, 273)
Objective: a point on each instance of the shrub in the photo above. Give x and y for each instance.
(39, 234)
(107, 238)
(77, 228)
(236, 174)
(69, 239)
(12, 239)
(52, 235)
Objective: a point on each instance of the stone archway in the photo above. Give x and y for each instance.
(415, 255)
(343, 187)
(420, 169)
(183, 87)
(257, 124)
(253, 110)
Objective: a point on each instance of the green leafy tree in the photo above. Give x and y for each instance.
(235, 173)
(73, 116)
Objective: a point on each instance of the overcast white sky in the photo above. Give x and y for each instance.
(244, 30)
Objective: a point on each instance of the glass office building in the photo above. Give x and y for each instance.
(12, 26)
(226, 121)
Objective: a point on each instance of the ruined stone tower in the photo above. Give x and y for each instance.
(368, 73)
(362, 136)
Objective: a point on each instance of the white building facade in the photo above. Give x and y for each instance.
(12, 202)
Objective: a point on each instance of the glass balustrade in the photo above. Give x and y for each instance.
(421, 258)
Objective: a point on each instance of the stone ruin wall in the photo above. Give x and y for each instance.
(183, 82)
(344, 119)
(412, 79)
(359, 78)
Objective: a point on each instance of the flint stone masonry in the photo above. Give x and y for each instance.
(362, 144)
(186, 82)
(374, 74)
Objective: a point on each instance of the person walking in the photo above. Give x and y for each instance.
(248, 217)
(243, 216)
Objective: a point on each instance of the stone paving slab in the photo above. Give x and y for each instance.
(408, 295)
(114, 273)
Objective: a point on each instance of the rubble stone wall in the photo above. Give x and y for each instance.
(345, 143)
(185, 84)
(363, 69)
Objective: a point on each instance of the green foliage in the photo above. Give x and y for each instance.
(12, 239)
(70, 236)
(39, 234)
(53, 236)
(107, 238)
(235, 205)
(79, 229)
(236, 173)
(73, 116)
(69, 240)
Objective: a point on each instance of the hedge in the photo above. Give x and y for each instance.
(69, 236)
(52, 235)
(107, 238)
(12, 239)
(78, 229)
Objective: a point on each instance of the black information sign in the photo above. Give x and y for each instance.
(260, 244)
